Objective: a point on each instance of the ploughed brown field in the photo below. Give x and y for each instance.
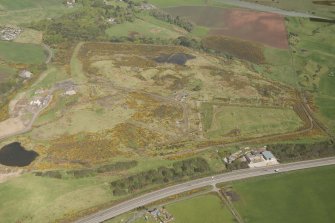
(266, 28)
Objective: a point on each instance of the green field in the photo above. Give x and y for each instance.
(250, 121)
(28, 4)
(42, 199)
(304, 196)
(300, 6)
(314, 46)
(25, 11)
(204, 208)
(170, 3)
(21, 53)
(279, 66)
(142, 28)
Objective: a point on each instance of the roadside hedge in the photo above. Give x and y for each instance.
(180, 170)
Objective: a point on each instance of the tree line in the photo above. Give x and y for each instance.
(297, 152)
(179, 21)
(184, 169)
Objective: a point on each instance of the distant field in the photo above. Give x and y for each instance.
(241, 49)
(265, 28)
(308, 6)
(304, 196)
(170, 3)
(141, 28)
(252, 121)
(21, 53)
(28, 4)
(25, 11)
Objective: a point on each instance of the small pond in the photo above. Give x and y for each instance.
(176, 58)
(15, 155)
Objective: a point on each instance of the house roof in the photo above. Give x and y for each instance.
(268, 155)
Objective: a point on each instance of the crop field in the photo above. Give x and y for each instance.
(21, 53)
(317, 7)
(303, 196)
(266, 28)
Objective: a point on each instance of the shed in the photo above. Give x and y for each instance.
(268, 155)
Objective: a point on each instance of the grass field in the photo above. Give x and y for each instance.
(30, 36)
(142, 28)
(313, 59)
(170, 3)
(21, 53)
(25, 11)
(206, 208)
(28, 4)
(41, 199)
(304, 196)
(6, 72)
(300, 5)
(252, 121)
(279, 66)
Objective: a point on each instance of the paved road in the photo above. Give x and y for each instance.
(180, 188)
(263, 8)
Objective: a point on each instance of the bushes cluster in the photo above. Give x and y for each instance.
(178, 21)
(296, 152)
(87, 23)
(119, 166)
(180, 170)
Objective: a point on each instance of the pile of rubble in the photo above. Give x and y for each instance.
(9, 33)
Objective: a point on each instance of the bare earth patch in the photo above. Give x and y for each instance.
(11, 126)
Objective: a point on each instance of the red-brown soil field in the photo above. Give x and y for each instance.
(266, 28)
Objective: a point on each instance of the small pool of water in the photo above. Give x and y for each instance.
(176, 58)
(15, 155)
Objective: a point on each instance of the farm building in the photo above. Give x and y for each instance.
(70, 92)
(9, 33)
(26, 74)
(260, 159)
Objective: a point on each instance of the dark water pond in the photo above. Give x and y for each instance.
(15, 155)
(176, 58)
